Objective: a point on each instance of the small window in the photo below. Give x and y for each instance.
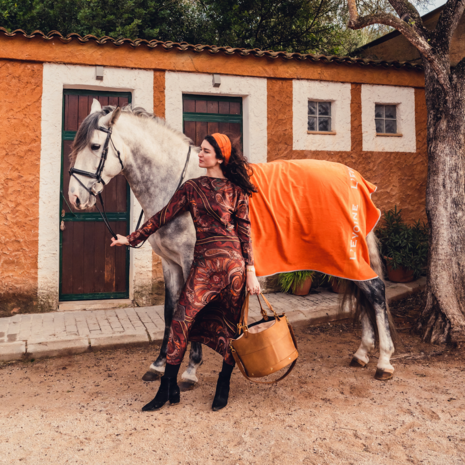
(386, 119)
(319, 116)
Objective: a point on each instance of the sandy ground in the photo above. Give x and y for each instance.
(85, 409)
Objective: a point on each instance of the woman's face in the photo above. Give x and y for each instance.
(207, 156)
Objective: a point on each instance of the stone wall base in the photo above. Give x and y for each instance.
(12, 303)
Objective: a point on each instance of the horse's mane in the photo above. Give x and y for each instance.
(90, 124)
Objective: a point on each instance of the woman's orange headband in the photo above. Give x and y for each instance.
(224, 144)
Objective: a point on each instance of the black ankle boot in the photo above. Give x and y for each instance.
(168, 391)
(222, 392)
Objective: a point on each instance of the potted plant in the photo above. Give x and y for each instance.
(404, 247)
(333, 283)
(297, 282)
(336, 284)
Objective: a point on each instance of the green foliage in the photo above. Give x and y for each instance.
(328, 280)
(290, 281)
(292, 25)
(146, 19)
(320, 279)
(335, 280)
(313, 26)
(404, 245)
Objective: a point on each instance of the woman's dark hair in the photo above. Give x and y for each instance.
(238, 169)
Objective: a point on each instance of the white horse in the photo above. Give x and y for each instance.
(153, 158)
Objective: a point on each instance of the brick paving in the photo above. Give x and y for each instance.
(60, 333)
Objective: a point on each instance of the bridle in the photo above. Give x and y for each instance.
(97, 193)
(98, 176)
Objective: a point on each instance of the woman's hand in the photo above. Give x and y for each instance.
(253, 286)
(122, 240)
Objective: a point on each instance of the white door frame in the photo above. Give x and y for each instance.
(57, 77)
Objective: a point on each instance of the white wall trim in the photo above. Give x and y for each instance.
(404, 98)
(339, 95)
(253, 91)
(56, 77)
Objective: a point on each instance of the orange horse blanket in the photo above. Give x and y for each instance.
(312, 215)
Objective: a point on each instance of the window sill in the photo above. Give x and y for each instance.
(382, 134)
(327, 133)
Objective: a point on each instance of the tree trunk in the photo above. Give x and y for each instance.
(443, 318)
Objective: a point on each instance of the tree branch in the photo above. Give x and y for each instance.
(417, 39)
(459, 70)
(316, 16)
(409, 14)
(449, 20)
(406, 11)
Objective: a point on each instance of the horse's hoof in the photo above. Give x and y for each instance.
(357, 363)
(383, 375)
(151, 376)
(186, 386)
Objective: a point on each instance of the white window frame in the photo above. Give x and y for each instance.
(404, 98)
(339, 94)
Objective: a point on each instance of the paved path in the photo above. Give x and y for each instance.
(59, 333)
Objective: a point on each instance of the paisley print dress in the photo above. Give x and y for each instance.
(210, 304)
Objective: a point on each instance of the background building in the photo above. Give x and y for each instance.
(366, 114)
(395, 46)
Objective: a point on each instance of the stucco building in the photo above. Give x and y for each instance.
(366, 114)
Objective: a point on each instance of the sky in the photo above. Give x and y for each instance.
(433, 6)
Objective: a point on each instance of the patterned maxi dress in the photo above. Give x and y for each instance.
(210, 303)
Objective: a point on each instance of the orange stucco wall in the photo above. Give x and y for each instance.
(400, 177)
(20, 116)
(159, 93)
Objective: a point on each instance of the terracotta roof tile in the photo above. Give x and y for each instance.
(213, 49)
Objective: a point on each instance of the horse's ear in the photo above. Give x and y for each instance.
(95, 106)
(111, 119)
(115, 115)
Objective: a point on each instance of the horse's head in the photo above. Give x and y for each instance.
(94, 158)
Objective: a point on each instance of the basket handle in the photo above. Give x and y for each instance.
(243, 321)
(263, 311)
(244, 373)
(243, 325)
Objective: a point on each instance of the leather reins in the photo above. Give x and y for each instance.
(98, 177)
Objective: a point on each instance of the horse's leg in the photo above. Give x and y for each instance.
(360, 358)
(174, 282)
(375, 292)
(189, 377)
(177, 253)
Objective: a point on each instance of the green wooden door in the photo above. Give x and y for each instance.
(89, 268)
(203, 115)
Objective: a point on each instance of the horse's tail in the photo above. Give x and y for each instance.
(356, 300)
(375, 257)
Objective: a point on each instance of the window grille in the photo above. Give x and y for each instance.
(319, 117)
(386, 119)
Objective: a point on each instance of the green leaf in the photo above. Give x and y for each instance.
(404, 245)
(288, 281)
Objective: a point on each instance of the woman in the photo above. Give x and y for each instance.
(210, 304)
